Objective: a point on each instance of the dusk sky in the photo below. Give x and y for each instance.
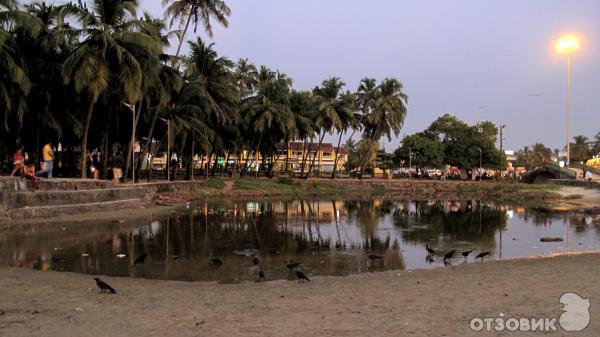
(478, 60)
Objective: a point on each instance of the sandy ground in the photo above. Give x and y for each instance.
(586, 199)
(437, 302)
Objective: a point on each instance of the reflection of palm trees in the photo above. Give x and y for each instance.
(430, 224)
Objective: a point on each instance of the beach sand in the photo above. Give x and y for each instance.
(438, 302)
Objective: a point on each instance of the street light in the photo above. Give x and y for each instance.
(567, 45)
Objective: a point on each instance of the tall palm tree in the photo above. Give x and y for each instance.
(15, 83)
(387, 116)
(333, 110)
(245, 77)
(199, 11)
(350, 119)
(107, 55)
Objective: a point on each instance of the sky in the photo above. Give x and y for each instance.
(476, 59)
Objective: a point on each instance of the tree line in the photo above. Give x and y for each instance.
(86, 74)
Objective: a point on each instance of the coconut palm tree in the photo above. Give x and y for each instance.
(387, 116)
(199, 11)
(107, 56)
(333, 111)
(350, 119)
(15, 83)
(580, 150)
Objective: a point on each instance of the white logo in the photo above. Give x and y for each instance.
(576, 315)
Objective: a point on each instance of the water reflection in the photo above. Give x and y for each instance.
(327, 237)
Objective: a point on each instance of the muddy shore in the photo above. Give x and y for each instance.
(438, 302)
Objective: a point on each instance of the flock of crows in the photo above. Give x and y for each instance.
(293, 265)
(448, 256)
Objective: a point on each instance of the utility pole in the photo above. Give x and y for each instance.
(502, 126)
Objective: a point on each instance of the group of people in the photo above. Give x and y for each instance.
(25, 167)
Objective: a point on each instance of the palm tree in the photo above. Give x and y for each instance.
(349, 119)
(200, 11)
(580, 150)
(331, 109)
(387, 116)
(596, 144)
(15, 83)
(107, 56)
(270, 106)
(245, 77)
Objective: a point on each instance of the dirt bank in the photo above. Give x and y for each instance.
(438, 302)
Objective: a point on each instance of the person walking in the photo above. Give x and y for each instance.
(18, 160)
(117, 168)
(48, 164)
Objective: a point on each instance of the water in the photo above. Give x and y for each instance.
(327, 237)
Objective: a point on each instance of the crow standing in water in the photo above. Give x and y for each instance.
(449, 255)
(140, 259)
(482, 255)
(104, 287)
(430, 250)
(301, 276)
(216, 262)
(465, 254)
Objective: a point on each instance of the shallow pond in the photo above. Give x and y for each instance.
(326, 237)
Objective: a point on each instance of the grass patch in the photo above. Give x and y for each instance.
(216, 184)
(573, 197)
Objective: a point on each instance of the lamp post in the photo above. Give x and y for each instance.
(567, 45)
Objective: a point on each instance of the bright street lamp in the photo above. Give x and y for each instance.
(567, 45)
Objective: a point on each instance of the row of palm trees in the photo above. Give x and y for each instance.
(86, 74)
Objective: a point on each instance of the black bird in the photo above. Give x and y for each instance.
(449, 255)
(261, 275)
(466, 253)
(104, 287)
(255, 261)
(482, 255)
(140, 259)
(215, 261)
(291, 264)
(301, 276)
(430, 250)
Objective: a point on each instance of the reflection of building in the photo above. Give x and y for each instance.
(310, 210)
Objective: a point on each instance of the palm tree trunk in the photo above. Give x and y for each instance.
(335, 161)
(131, 146)
(182, 37)
(363, 162)
(248, 163)
(287, 155)
(304, 156)
(312, 164)
(86, 130)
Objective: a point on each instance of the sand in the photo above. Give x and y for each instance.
(438, 302)
(579, 198)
